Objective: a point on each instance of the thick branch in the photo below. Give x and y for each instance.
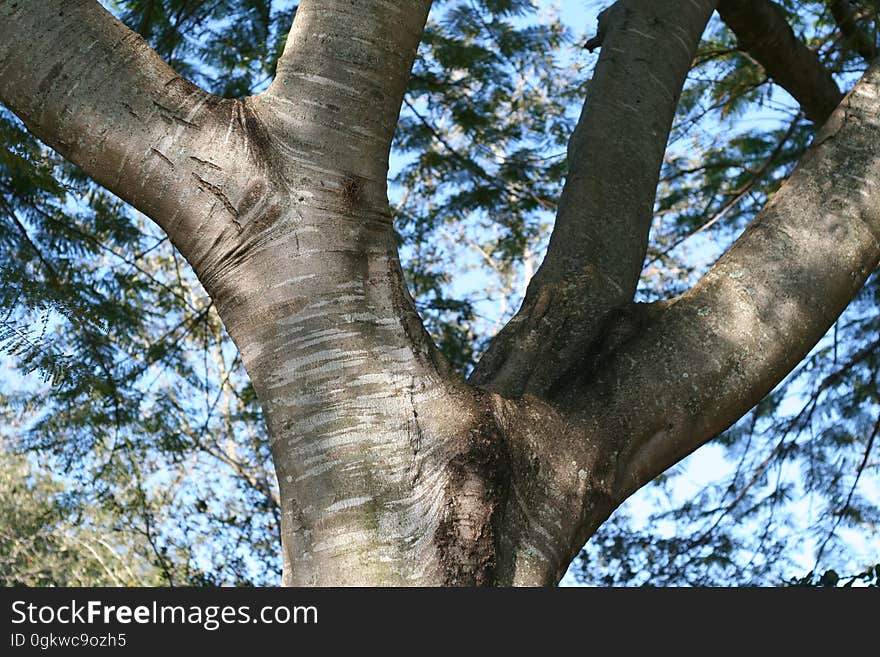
(98, 94)
(708, 356)
(856, 38)
(599, 241)
(352, 61)
(762, 31)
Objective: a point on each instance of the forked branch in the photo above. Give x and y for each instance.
(712, 353)
(598, 245)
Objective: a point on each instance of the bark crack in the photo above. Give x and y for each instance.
(163, 157)
(170, 115)
(416, 437)
(221, 196)
(206, 163)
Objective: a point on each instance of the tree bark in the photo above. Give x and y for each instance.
(598, 245)
(856, 38)
(763, 32)
(392, 470)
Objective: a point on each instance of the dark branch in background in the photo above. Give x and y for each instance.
(692, 121)
(10, 212)
(803, 417)
(762, 30)
(161, 559)
(131, 262)
(856, 38)
(517, 190)
(738, 194)
(852, 490)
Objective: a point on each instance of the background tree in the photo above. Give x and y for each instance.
(492, 102)
(41, 547)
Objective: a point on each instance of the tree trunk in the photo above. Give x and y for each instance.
(392, 469)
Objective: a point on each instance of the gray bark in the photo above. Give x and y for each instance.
(763, 31)
(597, 249)
(392, 470)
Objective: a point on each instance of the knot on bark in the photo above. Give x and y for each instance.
(352, 191)
(476, 491)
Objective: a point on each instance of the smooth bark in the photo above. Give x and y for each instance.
(698, 362)
(762, 30)
(392, 470)
(597, 249)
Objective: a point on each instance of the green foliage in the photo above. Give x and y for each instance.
(492, 100)
(142, 402)
(49, 540)
(229, 47)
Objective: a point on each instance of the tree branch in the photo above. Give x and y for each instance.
(856, 38)
(846, 505)
(697, 365)
(352, 60)
(13, 217)
(598, 245)
(327, 122)
(98, 94)
(763, 31)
